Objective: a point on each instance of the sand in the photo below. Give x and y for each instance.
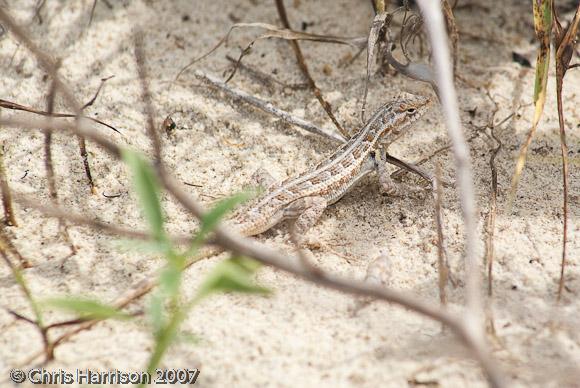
(302, 335)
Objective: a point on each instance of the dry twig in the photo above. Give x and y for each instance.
(304, 68)
(247, 247)
(10, 219)
(565, 40)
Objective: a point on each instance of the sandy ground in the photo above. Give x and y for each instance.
(302, 335)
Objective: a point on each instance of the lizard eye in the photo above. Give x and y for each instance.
(411, 110)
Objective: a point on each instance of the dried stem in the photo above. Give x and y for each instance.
(83, 220)
(267, 107)
(247, 247)
(51, 67)
(435, 25)
(38, 322)
(243, 246)
(565, 40)
(10, 219)
(50, 176)
(146, 96)
(304, 68)
(8, 246)
(441, 263)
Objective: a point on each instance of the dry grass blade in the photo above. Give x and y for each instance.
(543, 27)
(275, 32)
(374, 36)
(304, 68)
(564, 44)
(14, 106)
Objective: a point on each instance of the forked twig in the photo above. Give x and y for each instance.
(48, 349)
(51, 67)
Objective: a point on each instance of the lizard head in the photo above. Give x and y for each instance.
(398, 115)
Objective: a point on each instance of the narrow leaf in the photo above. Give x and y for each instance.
(543, 26)
(147, 188)
(170, 279)
(144, 246)
(86, 308)
(234, 274)
(217, 213)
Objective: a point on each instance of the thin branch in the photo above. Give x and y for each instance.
(565, 42)
(6, 242)
(48, 350)
(15, 106)
(231, 241)
(83, 220)
(441, 264)
(435, 25)
(266, 79)
(51, 67)
(304, 68)
(50, 176)
(146, 96)
(268, 107)
(10, 219)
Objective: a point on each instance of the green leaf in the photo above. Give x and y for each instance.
(86, 308)
(170, 279)
(211, 218)
(147, 188)
(234, 274)
(189, 337)
(145, 246)
(155, 312)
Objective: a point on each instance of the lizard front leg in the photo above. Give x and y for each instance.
(386, 184)
(306, 211)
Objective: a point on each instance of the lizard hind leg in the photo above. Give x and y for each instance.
(306, 212)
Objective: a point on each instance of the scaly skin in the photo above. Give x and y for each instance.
(306, 196)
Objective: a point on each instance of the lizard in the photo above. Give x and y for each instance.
(305, 197)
